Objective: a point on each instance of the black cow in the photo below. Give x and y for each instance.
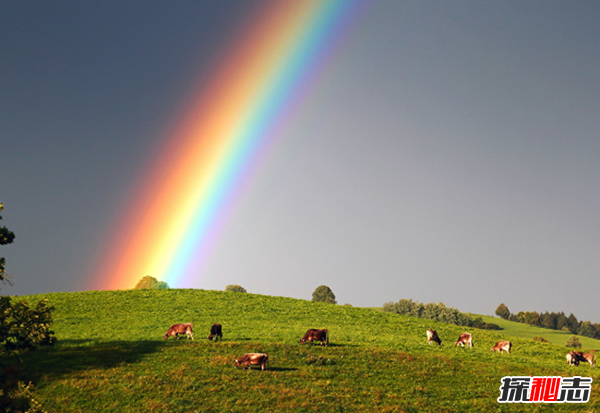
(216, 332)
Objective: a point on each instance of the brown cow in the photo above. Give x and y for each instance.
(432, 336)
(216, 332)
(465, 339)
(181, 328)
(249, 359)
(315, 335)
(502, 346)
(578, 356)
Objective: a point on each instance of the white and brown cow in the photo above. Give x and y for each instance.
(248, 359)
(432, 337)
(502, 346)
(181, 328)
(465, 339)
(315, 335)
(572, 359)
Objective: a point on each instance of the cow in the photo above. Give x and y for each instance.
(465, 339)
(216, 332)
(315, 335)
(432, 336)
(588, 357)
(502, 346)
(181, 328)
(574, 357)
(249, 359)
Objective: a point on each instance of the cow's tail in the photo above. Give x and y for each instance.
(326, 337)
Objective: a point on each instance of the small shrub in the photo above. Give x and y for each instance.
(541, 340)
(573, 342)
(150, 283)
(235, 288)
(323, 294)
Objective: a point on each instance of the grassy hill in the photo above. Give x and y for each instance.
(111, 357)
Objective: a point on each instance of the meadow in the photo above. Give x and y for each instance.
(111, 357)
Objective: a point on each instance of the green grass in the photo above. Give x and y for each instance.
(111, 357)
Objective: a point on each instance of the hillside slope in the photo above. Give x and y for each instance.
(111, 357)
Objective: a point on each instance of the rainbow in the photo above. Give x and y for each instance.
(173, 220)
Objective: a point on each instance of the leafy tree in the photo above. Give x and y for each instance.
(587, 329)
(573, 342)
(572, 323)
(323, 294)
(502, 311)
(235, 288)
(150, 283)
(6, 237)
(21, 328)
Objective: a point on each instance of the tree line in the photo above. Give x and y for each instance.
(551, 320)
(438, 312)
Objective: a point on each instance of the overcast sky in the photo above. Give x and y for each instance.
(449, 152)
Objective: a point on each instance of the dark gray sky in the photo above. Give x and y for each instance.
(450, 151)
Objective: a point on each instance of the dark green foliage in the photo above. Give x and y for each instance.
(150, 283)
(540, 339)
(573, 342)
(556, 321)
(438, 312)
(21, 328)
(323, 294)
(502, 311)
(235, 288)
(6, 237)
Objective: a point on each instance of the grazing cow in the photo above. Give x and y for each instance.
(216, 332)
(465, 339)
(588, 357)
(315, 335)
(432, 336)
(181, 328)
(574, 357)
(248, 359)
(502, 346)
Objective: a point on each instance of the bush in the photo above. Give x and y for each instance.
(235, 288)
(323, 294)
(150, 283)
(573, 342)
(541, 340)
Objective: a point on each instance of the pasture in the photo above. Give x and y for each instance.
(111, 357)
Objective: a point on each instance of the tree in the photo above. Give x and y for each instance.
(150, 283)
(235, 288)
(6, 237)
(323, 294)
(21, 328)
(502, 311)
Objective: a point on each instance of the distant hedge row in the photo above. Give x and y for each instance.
(438, 312)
